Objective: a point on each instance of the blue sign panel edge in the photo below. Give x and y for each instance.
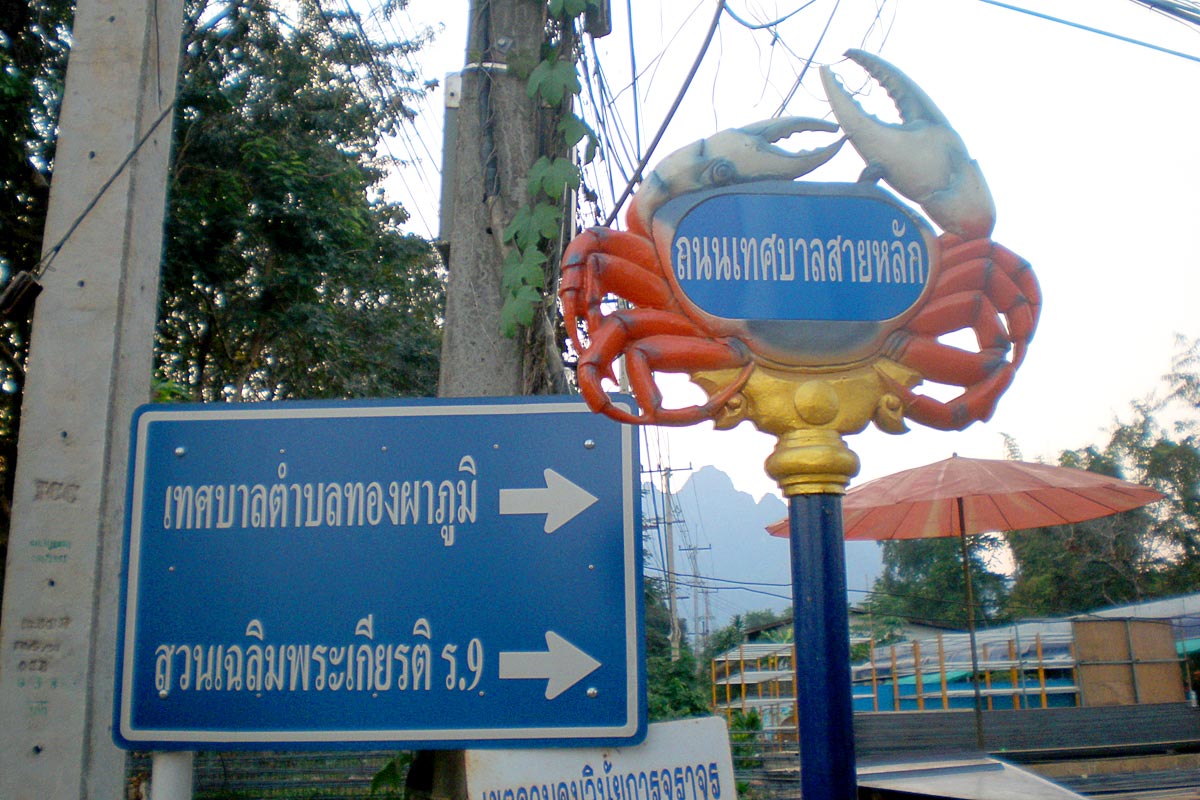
(631, 731)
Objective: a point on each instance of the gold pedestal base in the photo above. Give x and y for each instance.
(809, 412)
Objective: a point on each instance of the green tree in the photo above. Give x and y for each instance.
(34, 40)
(675, 688)
(1069, 569)
(878, 629)
(286, 273)
(923, 580)
(726, 638)
(1160, 447)
(1139, 554)
(766, 616)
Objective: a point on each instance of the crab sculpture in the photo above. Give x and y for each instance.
(974, 284)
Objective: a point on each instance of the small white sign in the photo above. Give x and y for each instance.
(683, 760)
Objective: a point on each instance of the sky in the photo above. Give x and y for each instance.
(1089, 145)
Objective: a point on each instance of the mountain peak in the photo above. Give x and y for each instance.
(725, 528)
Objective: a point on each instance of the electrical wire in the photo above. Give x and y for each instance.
(637, 121)
(808, 62)
(44, 263)
(679, 582)
(380, 77)
(1178, 10)
(1090, 29)
(687, 82)
(48, 257)
(599, 123)
(766, 25)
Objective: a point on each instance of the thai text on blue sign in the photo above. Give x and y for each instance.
(795, 251)
(432, 573)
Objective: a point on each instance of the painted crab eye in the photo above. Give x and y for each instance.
(721, 173)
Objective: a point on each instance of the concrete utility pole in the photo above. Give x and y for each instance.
(498, 140)
(676, 633)
(89, 365)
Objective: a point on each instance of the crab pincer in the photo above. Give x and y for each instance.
(921, 157)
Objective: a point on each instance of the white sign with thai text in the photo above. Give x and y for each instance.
(683, 760)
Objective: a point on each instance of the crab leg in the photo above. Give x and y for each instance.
(978, 403)
(656, 340)
(592, 261)
(989, 289)
(1007, 280)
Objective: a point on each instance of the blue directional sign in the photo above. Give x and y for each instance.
(417, 574)
(781, 250)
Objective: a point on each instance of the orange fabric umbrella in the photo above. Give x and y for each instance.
(966, 496)
(923, 503)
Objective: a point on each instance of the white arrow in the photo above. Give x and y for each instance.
(561, 501)
(562, 665)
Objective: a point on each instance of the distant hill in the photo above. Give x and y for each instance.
(742, 553)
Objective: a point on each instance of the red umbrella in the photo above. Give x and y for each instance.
(968, 496)
(923, 503)
(976, 495)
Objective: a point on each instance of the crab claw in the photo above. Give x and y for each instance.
(922, 157)
(737, 155)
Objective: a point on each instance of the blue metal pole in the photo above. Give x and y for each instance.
(821, 617)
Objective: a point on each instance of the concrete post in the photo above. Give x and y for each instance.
(89, 367)
(173, 775)
(497, 143)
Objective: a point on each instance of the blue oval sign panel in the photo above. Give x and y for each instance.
(781, 250)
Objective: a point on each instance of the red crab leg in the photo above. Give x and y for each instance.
(982, 274)
(985, 287)
(977, 403)
(586, 273)
(943, 363)
(1009, 282)
(656, 340)
(683, 354)
(947, 314)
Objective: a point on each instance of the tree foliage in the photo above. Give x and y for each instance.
(1141, 554)
(923, 581)
(34, 40)
(675, 688)
(286, 273)
(1068, 569)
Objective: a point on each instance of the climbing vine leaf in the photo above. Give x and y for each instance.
(535, 226)
(553, 80)
(574, 130)
(553, 177)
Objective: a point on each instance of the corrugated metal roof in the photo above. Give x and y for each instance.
(752, 651)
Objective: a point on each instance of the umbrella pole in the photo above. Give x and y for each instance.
(824, 704)
(966, 562)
